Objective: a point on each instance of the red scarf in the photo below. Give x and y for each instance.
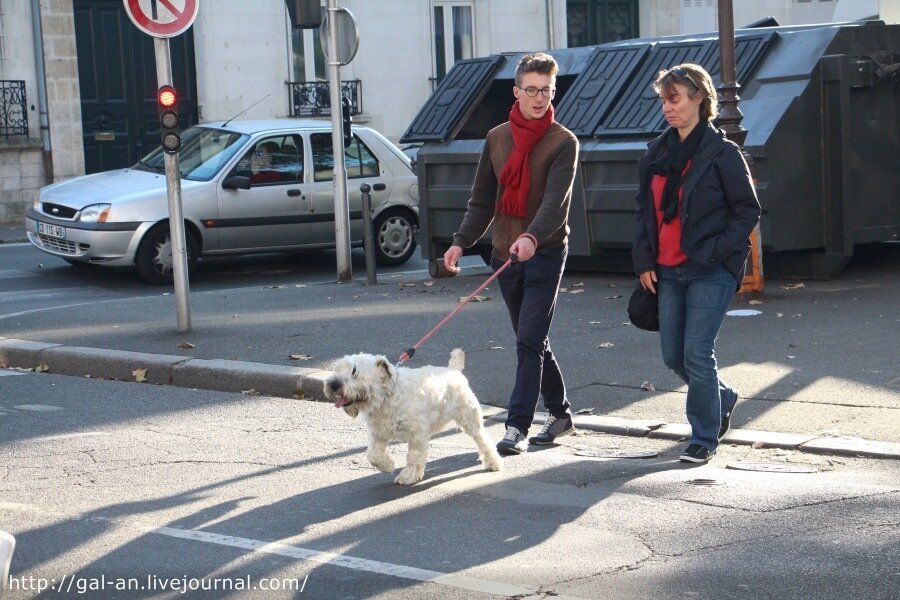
(516, 173)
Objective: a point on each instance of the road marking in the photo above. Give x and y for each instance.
(38, 407)
(463, 582)
(7, 372)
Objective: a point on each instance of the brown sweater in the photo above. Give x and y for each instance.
(552, 164)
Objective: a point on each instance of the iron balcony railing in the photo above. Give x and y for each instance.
(435, 83)
(13, 111)
(312, 98)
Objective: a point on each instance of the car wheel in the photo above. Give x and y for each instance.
(154, 256)
(394, 242)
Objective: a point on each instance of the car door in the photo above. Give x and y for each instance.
(362, 166)
(274, 212)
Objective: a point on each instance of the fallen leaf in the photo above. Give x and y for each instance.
(140, 375)
(578, 291)
(299, 395)
(497, 348)
(250, 392)
(406, 285)
(613, 285)
(579, 284)
(779, 315)
(755, 302)
(595, 322)
(793, 286)
(793, 346)
(186, 345)
(647, 386)
(475, 299)
(428, 283)
(585, 411)
(301, 356)
(563, 290)
(42, 368)
(277, 286)
(614, 297)
(758, 445)
(790, 356)
(300, 285)
(606, 345)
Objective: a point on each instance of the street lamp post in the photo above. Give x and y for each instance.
(730, 116)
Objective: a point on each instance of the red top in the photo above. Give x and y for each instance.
(265, 177)
(670, 253)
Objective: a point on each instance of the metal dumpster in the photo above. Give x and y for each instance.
(821, 105)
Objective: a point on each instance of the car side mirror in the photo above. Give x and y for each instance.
(236, 182)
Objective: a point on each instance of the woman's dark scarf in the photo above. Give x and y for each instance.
(516, 173)
(671, 165)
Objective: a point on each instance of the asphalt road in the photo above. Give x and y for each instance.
(111, 484)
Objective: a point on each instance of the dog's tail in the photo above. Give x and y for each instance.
(457, 360)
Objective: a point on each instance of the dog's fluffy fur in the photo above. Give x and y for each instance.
(408, 405)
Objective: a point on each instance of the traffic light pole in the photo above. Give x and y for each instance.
(176, 217)
(341, 200)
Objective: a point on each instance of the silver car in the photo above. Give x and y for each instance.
(247, 186)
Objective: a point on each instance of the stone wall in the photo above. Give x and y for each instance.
(21, 175)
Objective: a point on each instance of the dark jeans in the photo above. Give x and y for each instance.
(693, 299)
(529, 289)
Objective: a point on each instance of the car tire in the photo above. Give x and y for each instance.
(394, 236)
(153, 261)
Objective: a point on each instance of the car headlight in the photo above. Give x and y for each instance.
(95, 213)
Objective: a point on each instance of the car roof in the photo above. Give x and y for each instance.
(251, 126)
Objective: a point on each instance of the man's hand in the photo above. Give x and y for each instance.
(451, 257)
(648, 278)
(523, 247)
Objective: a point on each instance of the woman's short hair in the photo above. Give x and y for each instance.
(540, 62)
(696, 80)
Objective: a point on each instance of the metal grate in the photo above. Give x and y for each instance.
(313, 98)
(58, 211)
(63, 245)
(13, 108)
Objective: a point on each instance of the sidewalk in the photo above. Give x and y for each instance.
(816, 367)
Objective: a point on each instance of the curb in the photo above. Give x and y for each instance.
(306, 384)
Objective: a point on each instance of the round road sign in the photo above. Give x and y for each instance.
(162, 18)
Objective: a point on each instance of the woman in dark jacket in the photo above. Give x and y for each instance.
(696, 209)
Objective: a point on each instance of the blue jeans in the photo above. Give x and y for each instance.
(529, 289)
(693, 299)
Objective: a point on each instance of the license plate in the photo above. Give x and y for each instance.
(53, 231)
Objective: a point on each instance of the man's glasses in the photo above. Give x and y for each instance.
(683, 74)
(547, 92)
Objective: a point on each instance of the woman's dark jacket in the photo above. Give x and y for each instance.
(718, 209)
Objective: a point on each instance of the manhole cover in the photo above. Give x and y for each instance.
(772, 467)
(704, 482)
(616, 453)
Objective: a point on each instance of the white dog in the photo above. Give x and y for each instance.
(408, 405)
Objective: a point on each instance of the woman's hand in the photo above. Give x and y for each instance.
(451, 257)
(648, 279)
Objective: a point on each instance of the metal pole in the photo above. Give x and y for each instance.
(173, 188)
(368, 233)
(341, 201)
(730, 116)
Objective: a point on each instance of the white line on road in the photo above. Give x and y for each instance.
(326, 558)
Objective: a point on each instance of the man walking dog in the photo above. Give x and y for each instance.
(524, 186)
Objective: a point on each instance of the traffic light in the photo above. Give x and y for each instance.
(167, 98)
(306, 14)
(345, 116)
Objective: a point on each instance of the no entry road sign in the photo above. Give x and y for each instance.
(162, 18)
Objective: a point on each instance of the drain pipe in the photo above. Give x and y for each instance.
(551, 37)
(42, 89)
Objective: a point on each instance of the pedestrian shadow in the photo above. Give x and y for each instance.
(379, 527)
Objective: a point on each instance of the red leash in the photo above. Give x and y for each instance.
(408, 354)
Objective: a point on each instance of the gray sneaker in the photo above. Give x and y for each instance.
(554, 427)
(513, 442)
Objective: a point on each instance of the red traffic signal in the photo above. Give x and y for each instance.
(168, 118)
(167, 97)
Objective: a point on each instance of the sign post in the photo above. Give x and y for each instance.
(163, 19)
(339, 50)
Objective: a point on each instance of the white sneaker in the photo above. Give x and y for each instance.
(7, 547)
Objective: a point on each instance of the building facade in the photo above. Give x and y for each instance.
(78, 79)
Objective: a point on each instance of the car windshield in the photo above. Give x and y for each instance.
(204, 151)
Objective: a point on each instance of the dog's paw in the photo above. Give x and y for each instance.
(492, 462)
(383, 464)
(410, 475)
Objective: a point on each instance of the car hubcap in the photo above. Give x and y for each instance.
(163, 259)
(395, 236)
